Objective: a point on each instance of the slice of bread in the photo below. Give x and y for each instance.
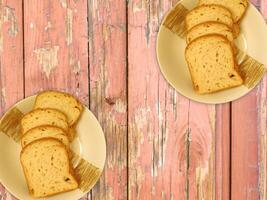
(66, 103)
(208, 13)
(209, 28)
(237, 7)
(40, 117)
(211, 63)
(47, 168)
(45, 132)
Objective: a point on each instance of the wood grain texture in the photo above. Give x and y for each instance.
(223, 149)
(249, 141)
(56, 46)
(171, 140)
(11, 60)
(108, 90)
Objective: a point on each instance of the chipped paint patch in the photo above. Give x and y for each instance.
(3, 96)
(1, 28)
(120, 106)
(47, 58)
(106, 32)
(63, 3)
(76, 65)
(9, 16)
(69, 19)
(140, 117)
(48, 26)
(31, 25)
(202, 174)
(140, 6)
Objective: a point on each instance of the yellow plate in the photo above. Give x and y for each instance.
(90, 144)
(171, 48)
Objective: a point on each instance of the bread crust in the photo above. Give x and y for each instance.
(234, 60)
(69, 164)
(210, 5)
(43, 126)
(43, 109)
(210, 22)
(64, 93)
(242, 16)
(81, 107)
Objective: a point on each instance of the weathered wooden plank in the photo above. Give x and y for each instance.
(171, 140)
(249, 142)
(222, 149)
(11, 60)
(108, 90)
(56, 47)
(11, 53)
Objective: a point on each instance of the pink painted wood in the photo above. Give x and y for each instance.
(249, 164)
(11, 60)
(108, 90)
(160, 144)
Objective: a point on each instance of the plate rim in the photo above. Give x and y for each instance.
(173, 85)
(102, 135)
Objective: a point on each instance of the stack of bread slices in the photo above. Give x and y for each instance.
(46, 135)
(210, 53)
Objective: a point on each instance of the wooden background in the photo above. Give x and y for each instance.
(160, 145)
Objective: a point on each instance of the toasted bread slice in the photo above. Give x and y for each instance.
(209, 28)
(47, 168)
(237, 7)
(211, 63)
(66, 103)
(208, 13)
(45, 132)
(40, 117)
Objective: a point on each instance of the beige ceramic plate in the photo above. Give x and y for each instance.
(171, 48)
(90, 144)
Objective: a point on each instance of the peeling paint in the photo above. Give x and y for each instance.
(140, 6)
(48, 26)
(31, 25)
(140, 117)
(106, 32)
(120, 106)
(9, 16)
(69, 19)
(201, 177)
(1, 28)
(63, 3)
(76, 65)
(47, 58)
(3, 92)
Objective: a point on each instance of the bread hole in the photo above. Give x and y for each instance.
(197, 87)
(231, 75)
(204, 66)
(217, 60)
(218, 19)
(53, 123)
(32, 191)
(66, 179)
(48, 111)
(36, 118)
